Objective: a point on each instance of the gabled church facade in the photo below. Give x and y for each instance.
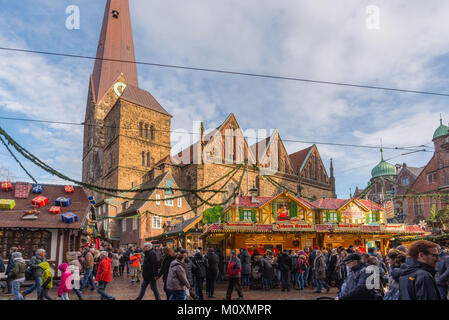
(127, 134)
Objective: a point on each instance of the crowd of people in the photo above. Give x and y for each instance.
(418, 273)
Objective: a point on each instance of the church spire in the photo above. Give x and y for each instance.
(116, 43)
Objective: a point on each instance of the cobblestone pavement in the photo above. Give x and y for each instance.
(121, 289)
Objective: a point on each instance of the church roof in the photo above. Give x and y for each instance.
(299, 158)
(143, 98)
(117, 47)
(258, 148)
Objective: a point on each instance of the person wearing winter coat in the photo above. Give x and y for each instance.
(266, 270)
(356, 286)
(2, 270)
(65, 285)
(312, 256)
(395, 259)
(46, 280)
(233, 271)
(285, 264)
(104, 275)
(199, 272)
(135, 267)
(211, 272)
(293, 273)
(177, 281)
(168, 257)
(189, 266)
(332, 267)
(306, 273)
(416, 275)
(319, 269)
(74, 268)
(37, 272)
(301, 268)
(442, 274)
(341, 269)
(220, 263)
(150, 272)
(9, 269)
(97, 260)
(17, 274)
(115, 264)
(88, 270)
(246, 268)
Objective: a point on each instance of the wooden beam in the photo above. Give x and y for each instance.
(58, 247)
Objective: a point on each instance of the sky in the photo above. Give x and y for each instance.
(398, 45)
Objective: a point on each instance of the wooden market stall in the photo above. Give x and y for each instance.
(288, 222)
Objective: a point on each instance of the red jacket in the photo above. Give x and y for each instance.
(104, 270)
(233, 269)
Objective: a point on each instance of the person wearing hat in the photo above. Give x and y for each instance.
(357, 283)
(233, 271)
(402, 248)
(104, 275)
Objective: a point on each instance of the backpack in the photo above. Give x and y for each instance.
(300, 266)
(122, 259)
(256, 274)
(29, 273)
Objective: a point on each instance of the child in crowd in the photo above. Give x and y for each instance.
(65, 284)
(135, 267)
(47, 280)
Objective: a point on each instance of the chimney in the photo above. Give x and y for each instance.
(253, 193)
(152, 174)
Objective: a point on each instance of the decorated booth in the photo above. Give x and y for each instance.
(286, 221)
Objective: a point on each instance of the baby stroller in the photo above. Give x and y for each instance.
(256, 278)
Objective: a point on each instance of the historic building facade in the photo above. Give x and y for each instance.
(433, 179)
(127, 134)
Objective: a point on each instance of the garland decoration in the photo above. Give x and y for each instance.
(233, 195)
(17, 160)
(28, 155)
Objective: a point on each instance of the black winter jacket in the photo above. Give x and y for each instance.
(356, 286)
(211, 265)
(416, 281)
(284, 262)
(199, 265)
(442, 270)
(167, 260)
(150, 267)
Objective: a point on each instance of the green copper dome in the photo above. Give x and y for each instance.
(383, 168)
(441, 131)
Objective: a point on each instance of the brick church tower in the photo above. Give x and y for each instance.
(126, 130)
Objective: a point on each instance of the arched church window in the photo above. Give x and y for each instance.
(141, 129)
(152, 133)
(146, 130)
(148, 159)
(143, 158)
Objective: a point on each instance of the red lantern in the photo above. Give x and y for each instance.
(422, 234)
